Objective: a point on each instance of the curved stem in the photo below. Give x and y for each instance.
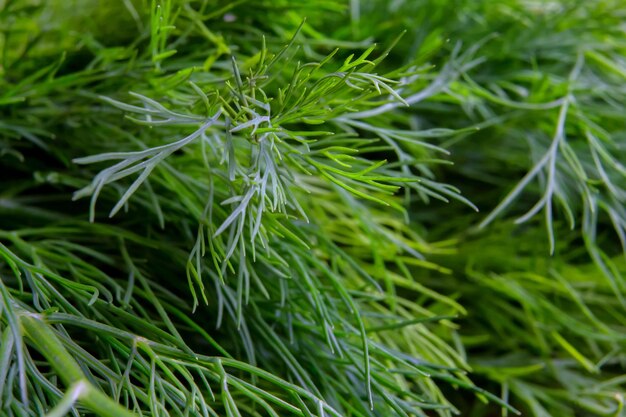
(43, 338)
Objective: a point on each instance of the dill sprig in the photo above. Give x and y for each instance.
(270, 208)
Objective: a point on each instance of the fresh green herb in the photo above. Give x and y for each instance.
(312, 208)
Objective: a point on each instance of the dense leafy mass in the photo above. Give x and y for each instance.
(312, 208)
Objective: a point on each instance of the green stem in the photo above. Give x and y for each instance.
(44, 339)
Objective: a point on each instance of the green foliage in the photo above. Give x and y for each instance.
(312, 208)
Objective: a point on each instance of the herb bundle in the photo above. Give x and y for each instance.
(312, 208)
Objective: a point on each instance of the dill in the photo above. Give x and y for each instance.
(312, 208)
